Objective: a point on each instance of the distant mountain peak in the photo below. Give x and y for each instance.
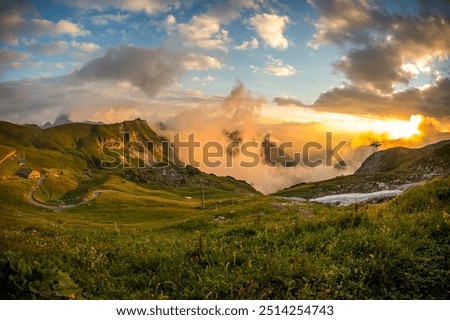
(60, 120)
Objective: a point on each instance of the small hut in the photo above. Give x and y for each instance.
(29, 174)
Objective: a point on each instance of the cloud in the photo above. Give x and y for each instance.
(381, 44)
(377, 68)
(237, 111)
(104, 19)
(50, 49)
(12, 59)
(146, 68)
(87, 47)
(344, 21)
(238, 115)
(15, 22)
(203, 81)
(61, 27)
(231, 9)
(9, 56)
(194, 61)
(280, 101)
(382, 66)
(270, 28)
(203, 31)
(60, 47)
(432, 100)
(248, 45)
(39, 101)
(276, 68)
(148, 6)
(125, 77)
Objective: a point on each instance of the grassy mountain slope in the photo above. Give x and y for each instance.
(80, 140)
(430, 159)
(70, 156)
(387, 169)
(151, 246)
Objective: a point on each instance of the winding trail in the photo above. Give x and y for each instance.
(8, 155)
(33, 201)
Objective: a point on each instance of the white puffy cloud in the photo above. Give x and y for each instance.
(248, 45)
(276, 68)
(206, 30)
(270, 28)
(87, 47)
(203, 31)
(194, 61)
(61, 27)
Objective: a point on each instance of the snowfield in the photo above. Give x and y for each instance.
(346, 199)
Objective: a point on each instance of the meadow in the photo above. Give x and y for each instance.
(142, 241)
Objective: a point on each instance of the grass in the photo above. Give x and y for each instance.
(140, 242)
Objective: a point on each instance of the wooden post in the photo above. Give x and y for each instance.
(203, 195)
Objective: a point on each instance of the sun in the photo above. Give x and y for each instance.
(400, 129)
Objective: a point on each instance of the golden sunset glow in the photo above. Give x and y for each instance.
(399, 129)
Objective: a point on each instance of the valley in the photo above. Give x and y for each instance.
(127, 233)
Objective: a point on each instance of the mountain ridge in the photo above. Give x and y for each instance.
(393, 168)
(85, 148)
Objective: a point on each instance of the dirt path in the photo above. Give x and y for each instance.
(7, 156)
(33, 201)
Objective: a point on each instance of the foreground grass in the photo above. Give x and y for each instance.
(152, 244)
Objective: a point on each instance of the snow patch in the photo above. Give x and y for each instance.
(346, 199)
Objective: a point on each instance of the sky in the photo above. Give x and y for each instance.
(372, 69)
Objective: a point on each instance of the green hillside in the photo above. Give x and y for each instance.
(387, 169)
(146, 236)
(143, 244)
(75, 161)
